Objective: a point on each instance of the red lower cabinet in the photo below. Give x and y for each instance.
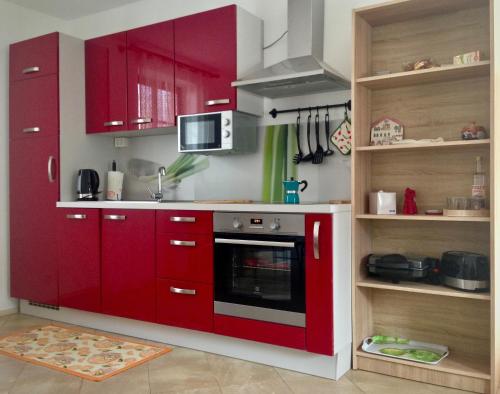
(128, 264)
(185, 304)
(79, 240)
(319, 284)
(34, 191)
(260, 331)
(185, 257)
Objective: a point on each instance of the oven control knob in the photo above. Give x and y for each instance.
(226, 133)
(275, 225)
(227, 121)
(237, 225)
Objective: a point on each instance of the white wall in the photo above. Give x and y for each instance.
(16, 23)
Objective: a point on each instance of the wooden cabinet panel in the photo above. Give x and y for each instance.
(319, 284)
(205, 61)
(128, 263)
(79, 241)
(106, 83)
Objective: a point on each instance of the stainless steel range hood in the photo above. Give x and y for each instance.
(304, 71)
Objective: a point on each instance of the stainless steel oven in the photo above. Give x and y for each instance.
(259, 266)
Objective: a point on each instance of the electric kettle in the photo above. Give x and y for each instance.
(292, 190)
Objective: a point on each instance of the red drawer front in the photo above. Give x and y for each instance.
(35, 57)
(34, 107)
(259, 331)
(186, 222)
(185, 257)
(193, 310)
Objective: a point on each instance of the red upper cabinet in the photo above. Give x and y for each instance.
(79, 244)
(205, 61)
(34, 107)
(150, 62)
(106, 83)
(34, 191)
(128, 264)
(35, 57)
(319, 284)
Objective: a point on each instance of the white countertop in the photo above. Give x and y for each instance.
(252, 207)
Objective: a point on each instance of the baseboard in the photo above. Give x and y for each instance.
(9, 311)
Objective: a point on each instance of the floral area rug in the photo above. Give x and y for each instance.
(77, 352)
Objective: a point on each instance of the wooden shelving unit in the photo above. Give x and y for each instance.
(431, 103)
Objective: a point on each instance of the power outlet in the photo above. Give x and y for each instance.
(121, 142)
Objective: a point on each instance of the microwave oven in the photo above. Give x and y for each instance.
(217, 132)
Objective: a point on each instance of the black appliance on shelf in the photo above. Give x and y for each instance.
(87, 185)
(396, 267)
(259, 266)
(465, 271)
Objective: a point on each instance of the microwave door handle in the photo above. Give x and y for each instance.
(252, 242)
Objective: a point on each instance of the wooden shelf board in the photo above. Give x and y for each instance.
(424, 288)
(437, 145)
(434, 218)
(402, 10)
(454, 364)
(430, 75)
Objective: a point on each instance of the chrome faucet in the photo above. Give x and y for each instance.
(161, 172)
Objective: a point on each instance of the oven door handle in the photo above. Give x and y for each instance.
(253, 242)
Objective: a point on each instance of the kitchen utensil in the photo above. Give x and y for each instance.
(292, 190)
(309, 156)
(87, 185)
(465, 271)
(328, 151)
(318, 155)
(406, 349)
(396, 267)
(298, 157)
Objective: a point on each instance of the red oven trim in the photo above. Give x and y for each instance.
(254, 330)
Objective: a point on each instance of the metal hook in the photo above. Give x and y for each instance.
(317, 110)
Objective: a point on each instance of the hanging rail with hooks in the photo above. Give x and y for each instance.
(274, 112)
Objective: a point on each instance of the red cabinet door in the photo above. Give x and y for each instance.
(185, 257)
(185, 304)
(79, 244)
(205, 61)
(150, 63)
(184, 222)
(34, 191)
(319, 284)
(128, 264)
(106, 83)
(35, 57)
(34, 107)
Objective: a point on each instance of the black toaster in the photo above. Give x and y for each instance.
(465, 271)
(396, 267)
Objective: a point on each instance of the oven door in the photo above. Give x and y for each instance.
(200, 132)
(260, 277)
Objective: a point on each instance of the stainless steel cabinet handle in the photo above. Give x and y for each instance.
(115, 217)
(175, 242)
(77, 216)
(252, 242)
(114, 123)
(141, 120)
(31, 70)
(217, 102)
(31, 130)
(50, 166)
(176, 290)
(181, 219)
(316, 239)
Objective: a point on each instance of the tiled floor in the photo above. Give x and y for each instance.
(188, 371)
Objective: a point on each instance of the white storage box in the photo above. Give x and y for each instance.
(382, 203)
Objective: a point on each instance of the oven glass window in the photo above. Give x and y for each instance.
(201, 132)
(268, 277)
